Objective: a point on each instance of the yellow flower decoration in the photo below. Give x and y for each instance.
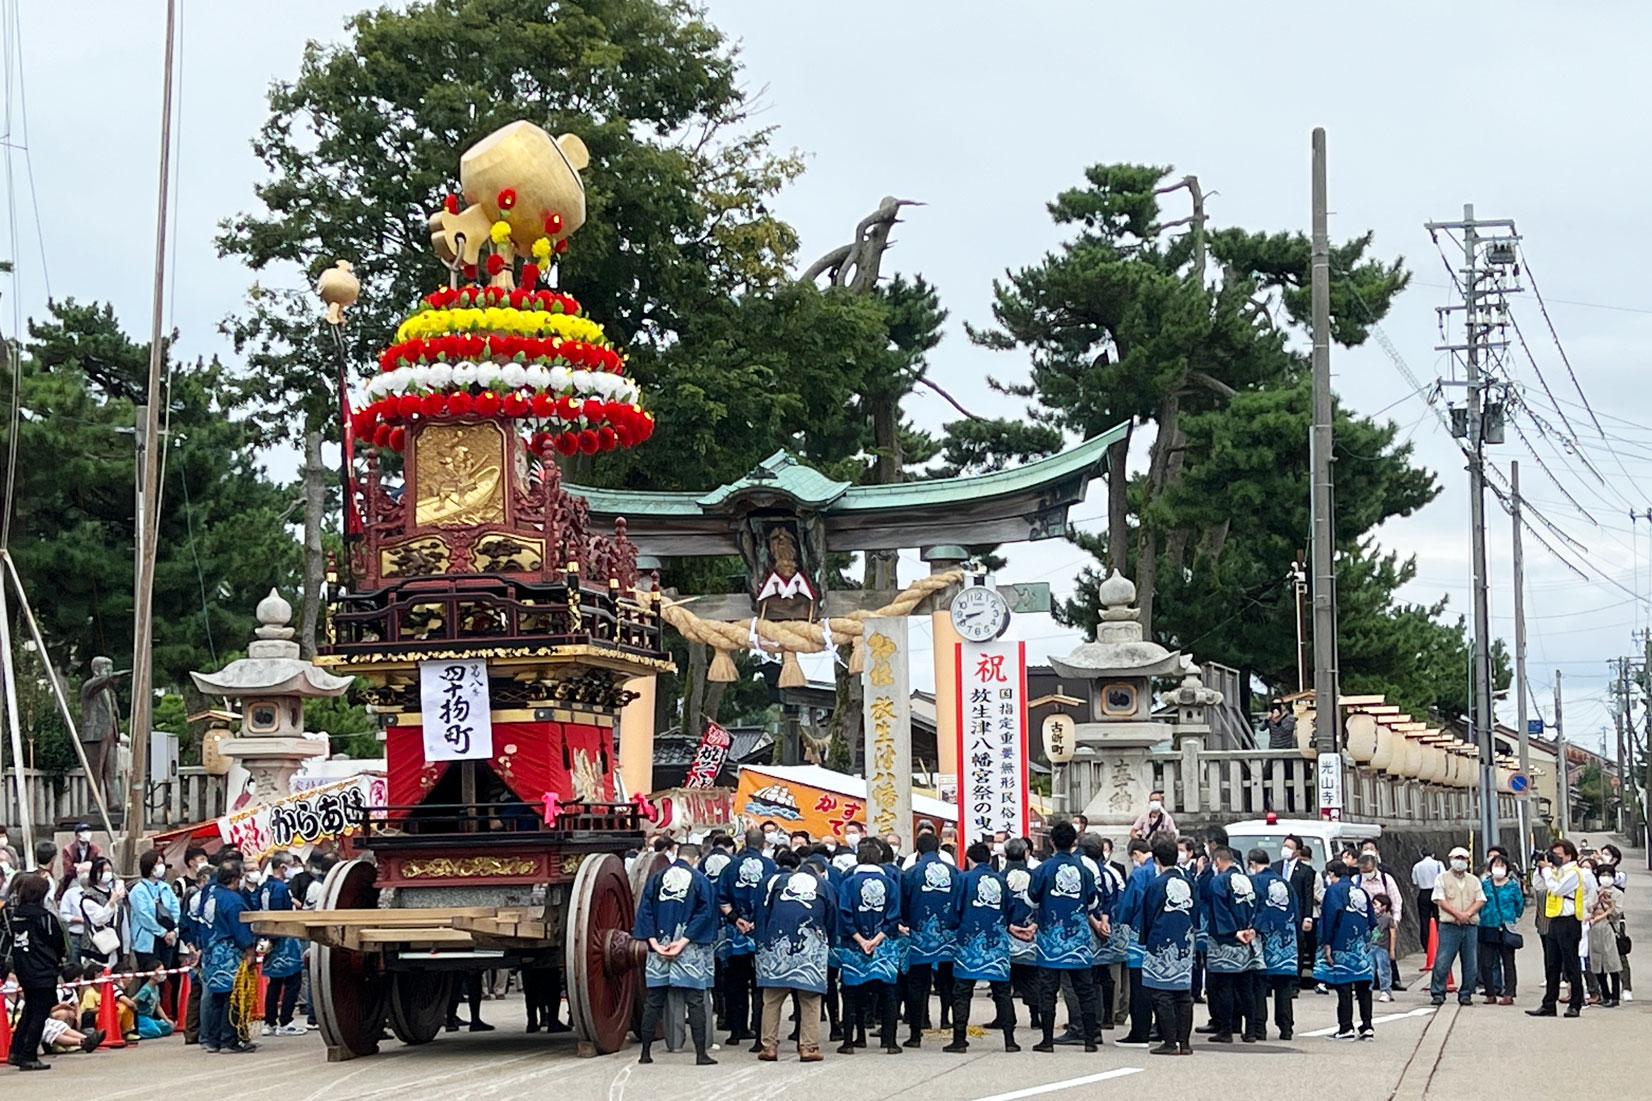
(542, 250)
(501, 232)
(501, 319)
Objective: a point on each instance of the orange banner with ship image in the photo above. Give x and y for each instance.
(815, 799)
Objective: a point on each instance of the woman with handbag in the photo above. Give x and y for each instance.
(155, 913)
(1605, 925)
(1505, 902)
(100, 908)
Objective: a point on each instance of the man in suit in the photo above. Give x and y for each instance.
(1297, 870)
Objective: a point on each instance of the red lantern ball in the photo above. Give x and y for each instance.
(553, 224)
(381, 436)
(515, 405)
(544, 406)
(408, 405)
(592, 410)
(506, 198)
(496, 264)
(567, 443)
(530, 276)
(487, 404)
(432, 405)
(607, 438)
(398, 437)
(567, 408)
(588, 442)
(461, 404)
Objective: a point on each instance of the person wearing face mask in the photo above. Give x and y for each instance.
(70, 890)
(1344, 960)
(1612, 856)
(1459, 898)
(80, 850)
(1155, 819)
(1567, 897)
(100, 906)
(154, 917)
(1505, 902)
(1605, 927)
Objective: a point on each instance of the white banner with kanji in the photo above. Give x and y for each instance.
(992, 740)
(453, 696)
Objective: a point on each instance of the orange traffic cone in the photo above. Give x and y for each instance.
(181, 1005)
(1434, 947)
(263, 983)
(109, 1014)
(1431, 941)
(5, 1027)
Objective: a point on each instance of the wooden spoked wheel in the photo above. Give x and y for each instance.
(418, 1004)
(600, 956)
(349, 988)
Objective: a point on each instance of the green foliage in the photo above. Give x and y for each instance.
(353, 732)
(222, 542)
(1200, 332)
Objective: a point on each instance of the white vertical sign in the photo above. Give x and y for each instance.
(453, 696)
(888, 722)
(1330, 786)
(992, 740)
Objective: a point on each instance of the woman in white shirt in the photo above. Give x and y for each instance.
(68, 897)
(101, 903)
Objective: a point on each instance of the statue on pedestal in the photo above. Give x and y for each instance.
(100, 721)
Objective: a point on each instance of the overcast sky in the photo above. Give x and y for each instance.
(983, 112)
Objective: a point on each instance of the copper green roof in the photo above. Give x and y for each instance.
(781, 473)
(1027, 502)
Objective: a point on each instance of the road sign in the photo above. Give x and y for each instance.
(1534, 726)
(1518, 783)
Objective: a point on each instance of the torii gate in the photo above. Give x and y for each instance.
(784, 517)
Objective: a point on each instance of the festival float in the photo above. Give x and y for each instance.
(495, 628)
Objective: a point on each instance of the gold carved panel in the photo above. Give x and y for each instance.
(459, 474)
(465, 867)
(509, 554)
(415, 558)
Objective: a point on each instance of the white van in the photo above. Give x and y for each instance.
(1324, 838)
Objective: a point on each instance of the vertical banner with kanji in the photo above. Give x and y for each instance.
(453, 696)
(992, 740)
(709, 757)
(888, 722)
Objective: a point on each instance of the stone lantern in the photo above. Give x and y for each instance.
(271, 684)
(1111, 782)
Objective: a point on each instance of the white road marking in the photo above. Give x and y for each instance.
(1425, 1011)
(1051, 1087)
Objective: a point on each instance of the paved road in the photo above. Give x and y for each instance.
(1418, 1052)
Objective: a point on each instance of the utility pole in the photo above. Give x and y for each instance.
(1523, 799)
(1619, 714)
(1486, 262)
(1327, 715)
(143, 599)
(1563, 774)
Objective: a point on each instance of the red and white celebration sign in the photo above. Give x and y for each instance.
(709, 757)
(992, 740)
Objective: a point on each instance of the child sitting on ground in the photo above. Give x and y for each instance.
(153, 1023)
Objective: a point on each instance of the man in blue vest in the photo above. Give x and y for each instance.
(1166, 938)
(1128, 911)
(228, 944)
(739, 893)
(794, 940)
(981, 951)
(1063, 891)
(929, 891)
(1231, 906)
(868, 949)
(1277, 927)
(677, 919)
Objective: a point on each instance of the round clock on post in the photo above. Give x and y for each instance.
(979, 614)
